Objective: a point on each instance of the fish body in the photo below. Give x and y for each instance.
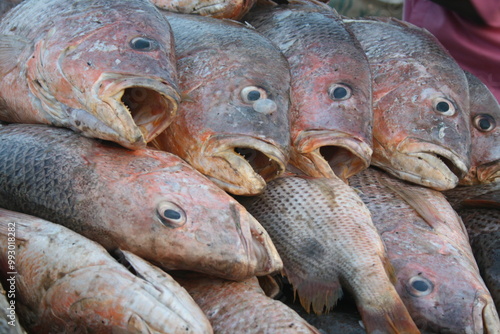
(483, 227)
(421, 127)
(233, 125)
(221, 9)
(485, 135)
(65, 283)
(331, 102)
(326, 239)
(103, 68)
(145, 201)
(427, 244)
(242, 307)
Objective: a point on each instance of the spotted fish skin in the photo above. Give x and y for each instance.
(427, 244)
(145, 201)
(242, 307)
(331, 101)
(233, 124)
(421, 111)
(326, 239)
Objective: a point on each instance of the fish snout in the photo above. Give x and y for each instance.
(485, 315)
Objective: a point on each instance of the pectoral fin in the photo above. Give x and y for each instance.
(11, 48)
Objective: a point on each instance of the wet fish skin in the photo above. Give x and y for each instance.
(238, 143)
(221, 9)
(482, 225)
(485, 136)
(242, 307)
(66, 283)
(421, 130)
(146, 201)
(326, 239)
(330, 134)
(427, 244)
(93, 66)
(6, 5)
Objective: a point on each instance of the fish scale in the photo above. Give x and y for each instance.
(122, 199)
(325, 237)
(427, 243)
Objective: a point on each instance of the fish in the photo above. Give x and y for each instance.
(242, 306)
(220, 9)
(427, 244)
(421, 115)
(66, 283)
(6, 5)
(485, 134)
(327, 241)
(331, 93)
(103, 68)
(233, 124)
(147, 202)
(483, 227)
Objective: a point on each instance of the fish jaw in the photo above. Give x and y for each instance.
(234, 9)
(422, 163)
(485, 316)
(327, 153)
(241, 165)
(136, 109)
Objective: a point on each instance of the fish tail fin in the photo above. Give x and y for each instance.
(392, 319)
(321, 296)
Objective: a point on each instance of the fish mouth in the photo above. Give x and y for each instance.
(489, 172)
(143, 107)
(265, 256)
(323, 153)
(485, 316)
(248, 163)
(427, 164)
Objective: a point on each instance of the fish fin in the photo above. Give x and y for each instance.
(11, 47)
(185, 97)
(489, 200)
(392, 319)
(320, 295)
(389, 269)
(417, 197)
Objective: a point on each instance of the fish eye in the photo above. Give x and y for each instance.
(444, 107)
(484, 122)
(419, 286)
(339, 92)
(251, 94)
(144, 44)
(170, 214)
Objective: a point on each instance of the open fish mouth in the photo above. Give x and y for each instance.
(144, 107)
(489, 172)
(248, 163)
(322, 153)
(429, 164)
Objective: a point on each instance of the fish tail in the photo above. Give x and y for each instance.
(392, 319)
(321, 296)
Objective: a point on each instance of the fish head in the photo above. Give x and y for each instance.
(221, 9)
(331, 110)
(421, 128)
(485, 134)
(453, 300)
(181, 220)
(234, 125)
(115, 76)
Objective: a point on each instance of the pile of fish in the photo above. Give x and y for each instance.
(232, 166)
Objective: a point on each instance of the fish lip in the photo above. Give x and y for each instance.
(310, 142)
(489, 172)
(429, 154)
(484, 314)
(139, 125)
(244, 178)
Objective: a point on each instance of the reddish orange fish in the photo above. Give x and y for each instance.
(92, 66)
